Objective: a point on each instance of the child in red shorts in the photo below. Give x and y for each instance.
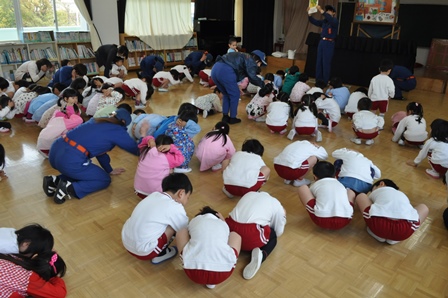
(259, 219)
(388, 213)
(382, 88)
(326, 200)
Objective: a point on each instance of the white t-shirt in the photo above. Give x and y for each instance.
(439, 152)
(208, 247)
(8, 241)
(243, 169)
(296, 153)
(391, 203)
(367, 120)
(184, 69)
(166, 75)
(262, 209)
(411, 129)
(305, 118)
(356, 165)
(330, 107)
(381, 88)
(278, 113)
(137, 84)
(352, 105)
(149, 221)
(314, 90)
(116, 69)
(331, 199)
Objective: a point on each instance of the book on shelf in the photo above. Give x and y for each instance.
(73, 36)
(193, 42)
(177, 56)
(91, 68)
(14, 55)
(68, 53)
(131, 62)
(9, 75)
(84, 36)
(185, 53)
(85, 52)
(136, 45)
(38, 36)
(36, 54)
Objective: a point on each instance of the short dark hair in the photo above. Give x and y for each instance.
(293, 69)
(188, 115)
(42, 62)
(59, 86)
(269, 76)
(126, 107)
(186, 106)
(78, 83)
(336, 82)
(280, 73)
(118, 58)
(330, 8)
(123, 50)
(303, 77)
(439, 130)
(3, 83)
(361, 89)
(176, 181)
(232, 40)
(253, 146)
(320, 84)
(387, 182)
(323, 169)
(40, 239)
(364, 104)
(80, 69)
(208, 210)
(64, 62)
(386, 65)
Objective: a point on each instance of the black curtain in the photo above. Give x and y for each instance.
(258, 25)
(214, 9)
(121, 7)
(89, 7)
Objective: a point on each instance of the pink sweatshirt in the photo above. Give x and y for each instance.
(154, 167)
(211, 152)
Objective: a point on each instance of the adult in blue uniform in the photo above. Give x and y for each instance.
(66, 74)
(197, 61)
(404, 80)
(228, 71)
(150, 65)
(325, 49)
(72, 154)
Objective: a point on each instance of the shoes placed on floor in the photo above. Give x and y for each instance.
(162, 90)
(30, 120)
(255, 262)
(210, 286)
(225, 119)
(283, 131)
(401, 142)
(330, 126)
(298, 183)
(217, 167)
(370, 142)
(375, 236)
(49, 185)
(399, 98)
(432, 173)
(170, 252)
(356, 141)
(228, 194)
(140, 106)
(4, 129)
(62, 194)
(287, 181)
(182, 170)
(234, 120)
(319, 136)
(291, 134)
(204, 114)
(392, 242)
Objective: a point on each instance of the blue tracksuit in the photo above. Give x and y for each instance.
(98, 139)
(63, 76)
(148, 64)
(403, 80)
(194, 63)
(227, 72)
(325, 48)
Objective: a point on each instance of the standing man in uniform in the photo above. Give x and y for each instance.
(325, 48)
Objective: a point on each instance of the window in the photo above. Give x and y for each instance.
(38, 15)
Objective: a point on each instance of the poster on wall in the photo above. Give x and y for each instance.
(376, 11)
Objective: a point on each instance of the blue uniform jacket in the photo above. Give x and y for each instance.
(244, 66)
(400, 72)
(150, 62)
(194, 63)
(329, 25)
(63, 76)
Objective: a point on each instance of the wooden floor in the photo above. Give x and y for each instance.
(307, 262)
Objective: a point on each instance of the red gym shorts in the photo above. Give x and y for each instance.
(252, 235)
(305, 130)
(276, 128)
(380, 104)
(156, 82)
(330, 223)
(162, 242)
(290, 173)
(241, 191)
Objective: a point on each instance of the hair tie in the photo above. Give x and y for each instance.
(53, 259)
(222, 127)
(416, 104)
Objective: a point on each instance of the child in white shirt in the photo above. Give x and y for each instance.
(305, 121)
(184, 72)
(329, 111)
(412, 128)
(299, 89)
(140, 89)
(278, 113)
(366, 124)
(326, 201)
(163, 79)
(319, 86)
(118, 69)
(352, 105)
(256, 108)
(382, 88)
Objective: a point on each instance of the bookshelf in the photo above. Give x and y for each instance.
(138, 49)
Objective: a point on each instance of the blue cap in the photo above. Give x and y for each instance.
(261, 55)
(123, 115)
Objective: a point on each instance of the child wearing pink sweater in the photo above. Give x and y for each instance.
(157, 160)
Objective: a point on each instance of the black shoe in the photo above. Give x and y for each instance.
(49, 185)
(399, 98)
(234, 120)
(62, 192)
(225, 119)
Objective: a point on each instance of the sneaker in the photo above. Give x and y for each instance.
(4, 129)
(392, 242)
(291, 134)
(283, 131)
(228, 194)
(330, 126)
(356, 141)
(375, 236)
(217, 167)
(370, 142)
(29, 120)
(170, 252)
(287, 181)
(140, 106)
(225, 119)
(162, 90)
(234, 120)
(210, 286)
(49, 185)
(319, 136)
(255, 262)
(61, 193)
(432, 173)
(298, 183)
(401, 142)
(204, 113)
(182, 170)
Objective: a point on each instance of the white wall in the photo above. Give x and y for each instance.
(105, 18)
